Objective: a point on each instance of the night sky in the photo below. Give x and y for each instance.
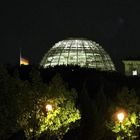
(36, 26)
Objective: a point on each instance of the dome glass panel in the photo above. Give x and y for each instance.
(82, 52)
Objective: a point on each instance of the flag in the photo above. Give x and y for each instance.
(24, 61)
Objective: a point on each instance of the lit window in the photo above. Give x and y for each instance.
(134, 72)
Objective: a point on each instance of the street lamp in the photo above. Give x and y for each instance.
(48, 107)
(120, 116)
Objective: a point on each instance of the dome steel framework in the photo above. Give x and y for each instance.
(82, 52)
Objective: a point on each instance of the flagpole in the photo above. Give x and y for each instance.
(20, 56)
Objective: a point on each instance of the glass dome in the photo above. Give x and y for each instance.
(82, 52)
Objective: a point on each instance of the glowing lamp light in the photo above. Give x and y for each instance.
(49, 107)
(120, 117)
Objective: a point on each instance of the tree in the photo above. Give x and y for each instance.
(56, 122)
(127, 102)
(9, 92)
(93, 112)
(32, 90)
(4, 108)
(60, 120)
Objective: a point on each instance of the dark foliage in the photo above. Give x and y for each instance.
(97, 91)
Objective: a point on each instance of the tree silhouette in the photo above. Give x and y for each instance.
(36, 120)
(128, 102)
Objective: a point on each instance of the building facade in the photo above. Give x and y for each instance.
(132, 67)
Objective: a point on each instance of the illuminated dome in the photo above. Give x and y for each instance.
(81, 52)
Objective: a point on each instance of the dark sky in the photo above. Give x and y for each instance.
(36, 26)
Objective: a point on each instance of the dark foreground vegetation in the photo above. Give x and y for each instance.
(87, 98)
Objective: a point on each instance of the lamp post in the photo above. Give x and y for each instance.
(120, 117)
(48, 108)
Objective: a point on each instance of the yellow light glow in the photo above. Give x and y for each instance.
(120, 117)
(49, 107)
(24, 61)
